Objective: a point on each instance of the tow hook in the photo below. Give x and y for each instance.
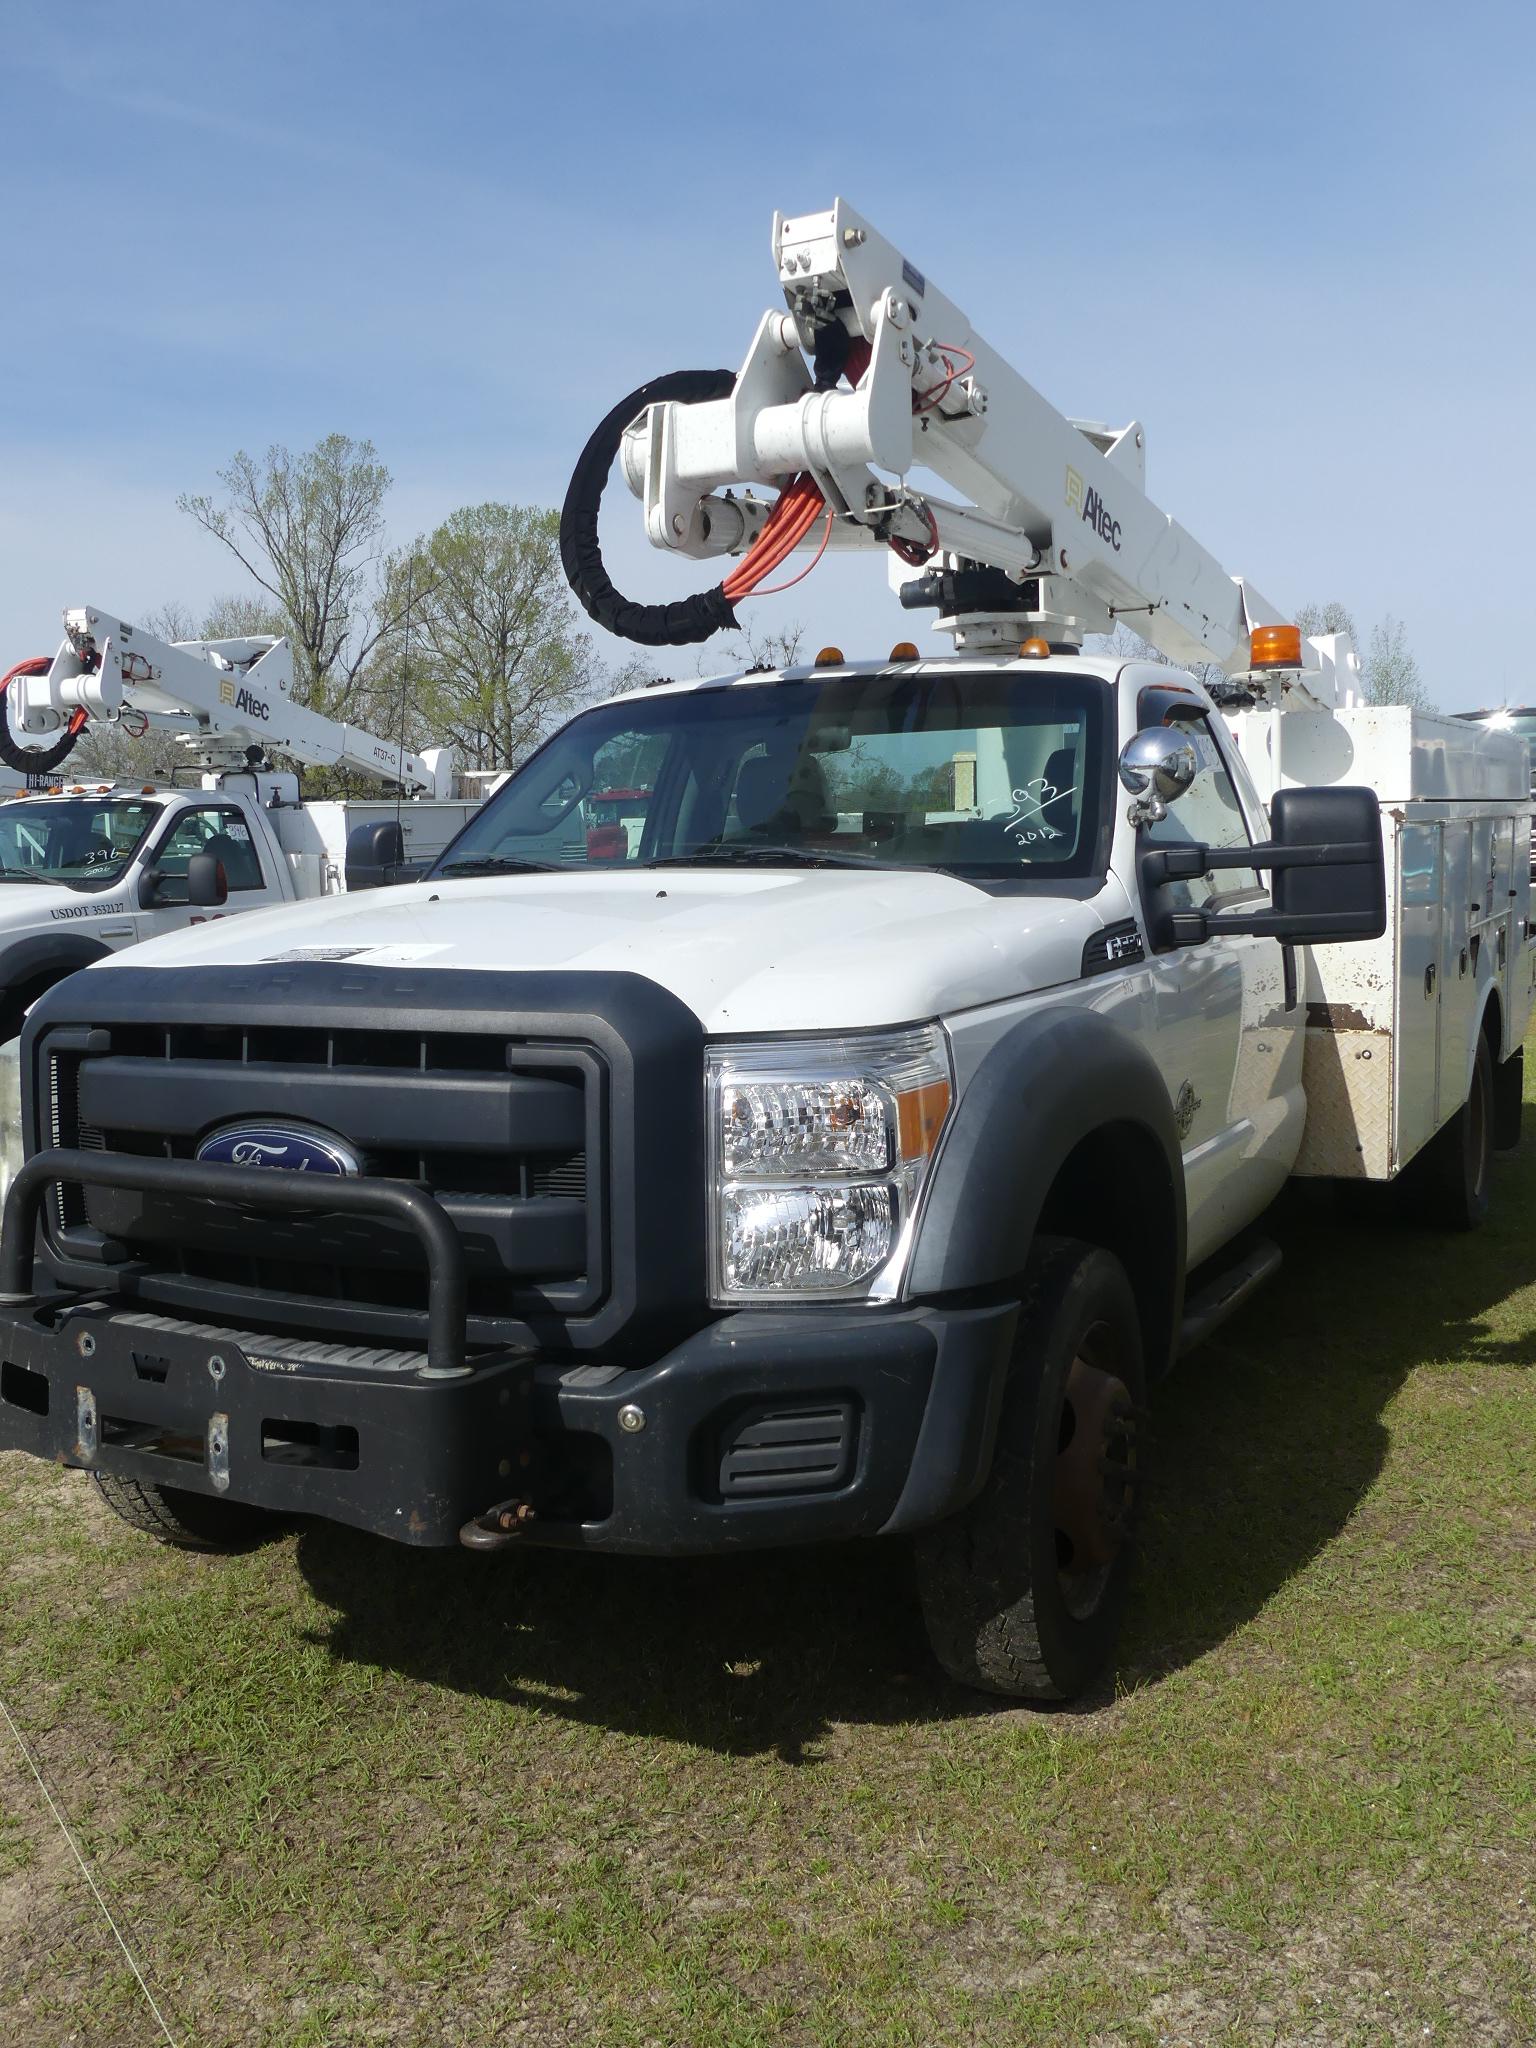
(498, 1526)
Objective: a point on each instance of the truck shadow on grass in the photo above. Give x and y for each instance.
(1266, 1441)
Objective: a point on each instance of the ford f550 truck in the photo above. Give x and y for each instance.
(850, 1150)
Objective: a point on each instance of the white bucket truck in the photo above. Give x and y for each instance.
(89, 867)
(848, 1145)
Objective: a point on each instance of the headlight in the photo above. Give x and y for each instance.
(12, 1151)
(819, 1151)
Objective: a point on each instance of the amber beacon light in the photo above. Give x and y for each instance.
(1275, 647)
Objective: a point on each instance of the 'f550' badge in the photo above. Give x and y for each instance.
(1185, 1109)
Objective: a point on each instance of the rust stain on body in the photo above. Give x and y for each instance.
(1338, 1017)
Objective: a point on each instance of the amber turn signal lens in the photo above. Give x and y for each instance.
(1036, 648)
(904, 650)
(1275, 647)
(829, 657)
(920, 1114)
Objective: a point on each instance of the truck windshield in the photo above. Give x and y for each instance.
(985, 773)
(82, 841)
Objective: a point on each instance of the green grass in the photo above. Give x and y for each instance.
(341, 1793)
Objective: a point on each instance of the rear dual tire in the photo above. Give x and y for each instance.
(1454, 1173)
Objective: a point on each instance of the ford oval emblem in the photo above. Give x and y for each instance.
(288, 1146)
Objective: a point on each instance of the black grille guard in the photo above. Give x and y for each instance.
(252, 1188)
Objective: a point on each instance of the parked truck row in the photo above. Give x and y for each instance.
(806, 1104)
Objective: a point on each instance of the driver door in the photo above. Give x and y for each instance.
(223, 830)
(1225, 1041)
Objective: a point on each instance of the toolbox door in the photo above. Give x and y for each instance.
(1420, 900)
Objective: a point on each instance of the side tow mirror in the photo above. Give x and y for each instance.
(207, 883)
(1325, 849)
(1157, 765)
(203, 887)
(374, 853)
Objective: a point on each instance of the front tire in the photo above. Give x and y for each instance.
(1022, 1592)
(187, 1521)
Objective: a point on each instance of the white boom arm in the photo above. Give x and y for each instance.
(1058, 506)
(222, 697)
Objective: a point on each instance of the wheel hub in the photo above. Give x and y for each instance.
(1095, 1470)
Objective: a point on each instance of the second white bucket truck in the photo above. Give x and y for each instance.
(89, 867)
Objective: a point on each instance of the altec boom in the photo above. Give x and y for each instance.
(225, 700)
(870, 374)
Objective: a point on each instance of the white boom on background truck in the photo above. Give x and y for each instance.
(87, 868)
(842, 1137)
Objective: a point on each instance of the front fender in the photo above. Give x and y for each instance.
(1056, 1078)
(46, 957)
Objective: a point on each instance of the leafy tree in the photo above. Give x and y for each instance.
(309, 530)
(1389, 674)
(484, 647)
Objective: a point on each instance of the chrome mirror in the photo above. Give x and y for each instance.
(1157, 765)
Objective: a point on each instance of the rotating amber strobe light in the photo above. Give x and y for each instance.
(1275, 647)
(1034, 648)
(829, 657)
(904, 650)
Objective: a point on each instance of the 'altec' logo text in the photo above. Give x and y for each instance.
(253, 706)
(1090, 506)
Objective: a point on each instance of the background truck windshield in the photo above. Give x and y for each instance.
(991, 773)
(84, 840)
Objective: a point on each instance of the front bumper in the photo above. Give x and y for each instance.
(764, 1428)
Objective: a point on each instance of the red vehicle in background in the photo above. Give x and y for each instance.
(611, 814)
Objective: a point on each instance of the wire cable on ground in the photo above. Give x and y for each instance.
(85, 1869)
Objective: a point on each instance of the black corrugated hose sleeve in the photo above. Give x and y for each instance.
(30, 760)
(652, 625)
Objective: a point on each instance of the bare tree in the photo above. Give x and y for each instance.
(755, 647)
(1390, 673)
(241, 616)
(236, 616)
(172, 620)
(1332, 617)
(1125, 644)
(309, 530)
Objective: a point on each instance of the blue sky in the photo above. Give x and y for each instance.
(1295, 240)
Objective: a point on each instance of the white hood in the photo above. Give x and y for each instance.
(777, 950)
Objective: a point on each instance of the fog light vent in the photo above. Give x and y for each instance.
(779, 1450)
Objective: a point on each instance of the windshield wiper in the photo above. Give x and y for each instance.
(745, 854)
(501, 864)
(34, 875)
